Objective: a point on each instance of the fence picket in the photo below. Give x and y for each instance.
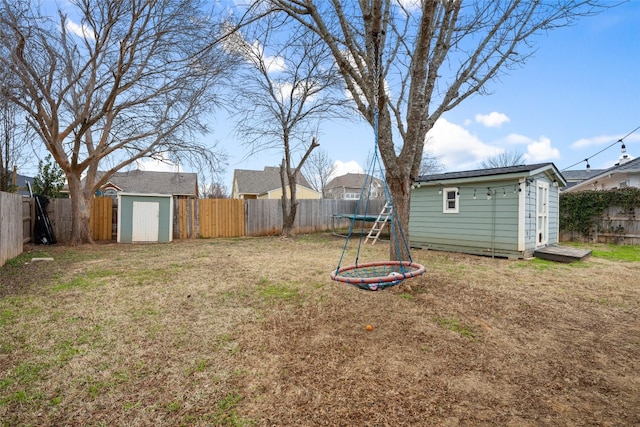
(11, 226)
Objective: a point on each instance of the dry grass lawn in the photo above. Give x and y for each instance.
(244, 332)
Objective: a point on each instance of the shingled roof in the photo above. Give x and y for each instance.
(491, 172)
(146, 182)
(260, 182)
(350, 180)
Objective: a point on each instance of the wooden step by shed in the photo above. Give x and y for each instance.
(561, 254)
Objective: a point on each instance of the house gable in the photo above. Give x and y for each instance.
(349, 186)
(266, 184)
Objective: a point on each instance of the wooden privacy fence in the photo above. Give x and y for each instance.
(101, 221)
(616, 225)
(11, 226)
(221, 218)
(208, 218)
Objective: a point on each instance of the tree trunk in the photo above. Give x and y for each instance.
(80, 212)
(400, 189)
(289, 204)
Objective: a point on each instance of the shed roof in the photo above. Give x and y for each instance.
(260, 182)
(494, 173)
(146, 182)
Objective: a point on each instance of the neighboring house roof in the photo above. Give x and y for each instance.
(145, 182)
(350, 180)
(495, 173)
(580, 174)
(21, 183)
(630, 167)
(576, 176)
(260, 182)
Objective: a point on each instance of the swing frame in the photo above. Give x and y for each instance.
(380, 274)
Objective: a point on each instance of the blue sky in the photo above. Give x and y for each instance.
(579, 93)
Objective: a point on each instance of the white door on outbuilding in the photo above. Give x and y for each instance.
(542, 202)
(145, 221)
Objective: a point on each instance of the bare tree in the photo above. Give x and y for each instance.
(290, 84)
(14, 140)
(418, 62)
(430, 164)
(215, 190)
(318, 169)
(117, 82)
(507, 158)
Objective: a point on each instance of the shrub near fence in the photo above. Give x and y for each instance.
(616, 225)
(11, 225)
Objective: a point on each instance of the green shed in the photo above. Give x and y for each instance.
(144, 218)
(507, 212)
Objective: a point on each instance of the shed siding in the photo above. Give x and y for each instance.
(484, 227)
(481, 226)
(125, 216)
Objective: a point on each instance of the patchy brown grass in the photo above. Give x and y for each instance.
(242, 332)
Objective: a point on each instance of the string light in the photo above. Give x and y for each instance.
(623, 148)
(474, 194)
(488, 193)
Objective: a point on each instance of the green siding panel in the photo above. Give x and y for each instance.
(165, 216)
(481, 225)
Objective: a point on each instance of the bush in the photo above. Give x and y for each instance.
(579, 212)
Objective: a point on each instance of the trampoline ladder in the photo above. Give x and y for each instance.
(378, 225)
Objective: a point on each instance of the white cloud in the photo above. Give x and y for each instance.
(80, 30)
(602, 140)
(160, 163)
(342, 168)
(538, 151)
(516, 139)
(492, 120)
(287, 91)
(456, 147)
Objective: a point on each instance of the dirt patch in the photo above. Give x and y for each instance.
(252, 332)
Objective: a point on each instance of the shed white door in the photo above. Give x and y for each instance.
(145, 222)
(542, 202)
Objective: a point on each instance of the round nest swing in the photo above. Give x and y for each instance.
(377, 275)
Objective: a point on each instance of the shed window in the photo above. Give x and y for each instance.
(450, 200)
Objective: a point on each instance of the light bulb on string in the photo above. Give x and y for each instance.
(623, 148)
(474, 194)
(588, 165)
